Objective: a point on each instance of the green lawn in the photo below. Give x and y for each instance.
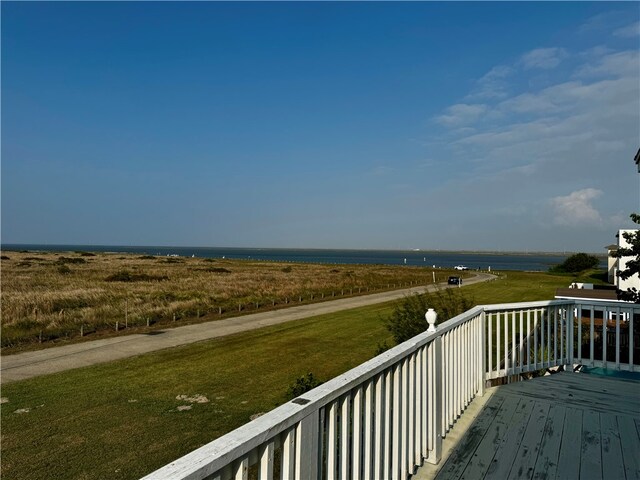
(121, 420)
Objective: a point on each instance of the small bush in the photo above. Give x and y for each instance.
(4, 257)
(218, 270)
(63, 260)
(407, 319)
(287, 269)
(146, 257)
(173, 260)
(302, 385)
(126, 276)
(86, 254)
(64, 270)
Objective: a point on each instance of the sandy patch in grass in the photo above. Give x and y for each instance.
(197, 398)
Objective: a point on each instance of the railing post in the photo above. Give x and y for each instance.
(436, 454)
(482, 364)
(570, 339)
(307, 447)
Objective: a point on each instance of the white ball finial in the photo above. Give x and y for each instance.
(431, 317)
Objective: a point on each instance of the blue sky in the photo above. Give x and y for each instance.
(492, 126)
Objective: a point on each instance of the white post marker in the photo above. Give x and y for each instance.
(431, 317)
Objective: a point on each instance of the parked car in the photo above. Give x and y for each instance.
(455, 281)
(460, 267)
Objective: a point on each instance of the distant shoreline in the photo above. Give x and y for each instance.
(127, 248)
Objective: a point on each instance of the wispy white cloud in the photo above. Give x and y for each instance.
(493, 84)
(461, 114)
(544, 58)
(628, 31)
(625, 63)
(576, 208)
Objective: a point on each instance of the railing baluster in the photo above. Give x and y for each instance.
(388, 397)
(287, 468)
(618, 339)
(536, 315)
(605, 321)
(489, 356)
(514, 356)
(265, 471)
(631, 364)
(579, 342)
(379, 431)
(396, 443)
(521, 363)
(543, 330)
(357, 435)
(404, 426)
(506, 343)
(482, 351)
(368, 429)
(426, 403)
(591, 337)
(555, 336)
(332, 436)
(498, 343)
(419, 407)
(345, 423)
(411, 451)
(241, 469)
(436, 379)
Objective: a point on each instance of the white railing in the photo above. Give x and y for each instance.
(384, 418)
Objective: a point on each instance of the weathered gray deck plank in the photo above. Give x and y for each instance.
(612, 461)
(459, 459)
(591, 464)
(525, 460)
(547, 461)
(630, 447)
(483, 456)
(504, 458)
(570, 452)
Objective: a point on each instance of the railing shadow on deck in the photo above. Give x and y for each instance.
(387, 416)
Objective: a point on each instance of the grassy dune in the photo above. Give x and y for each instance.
(122, 420)
(48, 297)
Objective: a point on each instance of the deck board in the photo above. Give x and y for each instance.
(547, 461)
(566, 425)
(612, 460)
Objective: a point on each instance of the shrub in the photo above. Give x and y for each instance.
(126, 276)
(64, 270)
(302, 385)
(407, 319)
(577, 263)
(4, 257)
(146, 257)
(287, 270)
(218, 270)
(63, 260)
(86, 254)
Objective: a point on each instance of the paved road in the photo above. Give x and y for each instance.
(25, 365)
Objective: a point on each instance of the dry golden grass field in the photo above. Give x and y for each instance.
(51, 297)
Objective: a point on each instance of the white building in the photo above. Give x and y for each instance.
(620, 264)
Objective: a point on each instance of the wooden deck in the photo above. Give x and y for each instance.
(563, 426)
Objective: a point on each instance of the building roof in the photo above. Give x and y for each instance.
(637, 159)
(587, 294)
